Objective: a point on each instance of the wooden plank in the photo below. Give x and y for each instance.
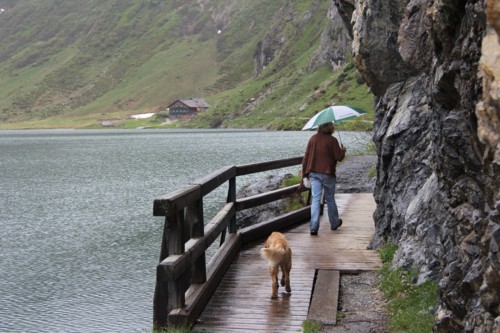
(160, 305)
(246, 169)
(215, 179)
(241, 302)
(176, 290)
(264, 198)
(263, 229)
(175, 233)
(175, 201)
(325, 297)
(194, 218)
(231, 197)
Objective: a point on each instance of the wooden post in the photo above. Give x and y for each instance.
(194, 218)
(164, 241)
(231, 197)
(172, 243)
(160, 304)
(175, 233)
(177, 290)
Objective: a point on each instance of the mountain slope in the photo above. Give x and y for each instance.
(69, 63)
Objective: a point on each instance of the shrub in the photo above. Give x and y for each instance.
(162, 114)
(310, 326)
(297, 201)
(341, 78)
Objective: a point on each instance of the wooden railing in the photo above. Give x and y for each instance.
(184, 281)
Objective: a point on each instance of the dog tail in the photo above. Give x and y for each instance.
(273, 255)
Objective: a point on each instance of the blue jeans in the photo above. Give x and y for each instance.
(320, 181)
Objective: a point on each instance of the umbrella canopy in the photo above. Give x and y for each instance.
(335, 114)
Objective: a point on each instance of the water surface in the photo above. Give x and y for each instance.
(79, 245)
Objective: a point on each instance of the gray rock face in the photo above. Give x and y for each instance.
(335, 39)
(437, 188)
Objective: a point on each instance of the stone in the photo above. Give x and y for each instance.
(434, 67)
(262, 213)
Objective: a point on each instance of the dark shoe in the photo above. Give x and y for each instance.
(314, 232)
(340, 220)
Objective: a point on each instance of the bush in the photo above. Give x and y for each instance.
(359, 79)
(341, 78)
(297, 201)
(162, 114)
(216, 122)
(310, 326)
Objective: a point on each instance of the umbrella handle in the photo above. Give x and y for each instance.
(340, 139)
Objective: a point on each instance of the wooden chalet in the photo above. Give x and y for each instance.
(187, 108)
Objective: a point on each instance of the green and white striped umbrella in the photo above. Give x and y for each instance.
(335, 114)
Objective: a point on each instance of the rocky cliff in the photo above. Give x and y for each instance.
(433, 66)
(335, 41)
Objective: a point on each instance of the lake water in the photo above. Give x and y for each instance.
(79, 245)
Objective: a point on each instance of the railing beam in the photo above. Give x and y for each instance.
(216, 179)
(175, 201)
(260, 230)
(266, 166)
(182, 272)
(173, 266)
(194, 218)
(231, 197)
(267, 197)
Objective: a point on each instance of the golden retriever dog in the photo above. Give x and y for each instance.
(278, 254)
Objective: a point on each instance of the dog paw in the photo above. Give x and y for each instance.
(288, 289)
(282, 282)
(274, 296)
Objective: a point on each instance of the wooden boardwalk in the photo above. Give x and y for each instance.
(242, 301)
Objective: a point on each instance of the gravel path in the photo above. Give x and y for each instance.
(361, 303)
(361, 306)
(353, 174)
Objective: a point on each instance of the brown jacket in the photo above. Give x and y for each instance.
(322, 153)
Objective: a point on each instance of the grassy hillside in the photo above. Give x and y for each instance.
(66, 63)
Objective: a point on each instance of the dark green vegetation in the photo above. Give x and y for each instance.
(310, 326)
(297, 200)
(410, 306)
(73, 63)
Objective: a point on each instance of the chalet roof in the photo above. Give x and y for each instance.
(195, 103)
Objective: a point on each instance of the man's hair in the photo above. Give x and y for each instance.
(327, 128)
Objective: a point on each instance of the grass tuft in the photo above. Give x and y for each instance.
(296, 201)
(310, 326)
(387, 253)
(410, 306)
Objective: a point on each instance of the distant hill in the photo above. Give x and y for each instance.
(258, 63)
